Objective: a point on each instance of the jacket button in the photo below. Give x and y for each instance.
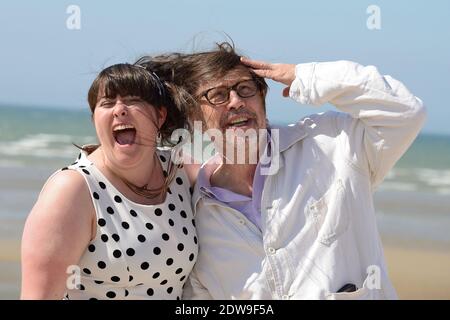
(271, 250)
(242, 222)
(285, 297)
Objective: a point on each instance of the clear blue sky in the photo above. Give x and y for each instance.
(45, 64)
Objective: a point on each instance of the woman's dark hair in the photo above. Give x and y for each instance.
(134, 80)
(190, 71)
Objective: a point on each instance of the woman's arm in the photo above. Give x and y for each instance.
(56, 234)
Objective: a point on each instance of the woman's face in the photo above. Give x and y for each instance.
(127, 128)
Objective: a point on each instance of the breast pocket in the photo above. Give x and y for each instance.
(330, 214)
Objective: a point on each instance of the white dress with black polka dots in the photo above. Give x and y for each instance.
(139, 251)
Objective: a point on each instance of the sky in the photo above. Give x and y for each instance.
(45, 63)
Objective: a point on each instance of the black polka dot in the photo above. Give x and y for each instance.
(158, 212)
(193, 222)
(115, 279)
(163, 282)
(149, 226)
(165, 173)
(182, 278)
(101, 222)
(169, 261)
(171, 222)
(185, 231)
(110, 210)
(169, 290)
(178, 298)
(195, 239)
(150, 292)
(96, 196)
(101, 265)
(128, 269)
(157, 251)
(165, 236)
(65, 168)
(179, 181)
(104, 237)
(180, 197)
(93, 299)
(130, 252)
(155, 275)
(117, 199)
(171, 206)
(102, 185)
(163, 159)
(111, 294)
(98, 281)
(125, 225)
(144, 266)
(130, 278)
(179, 270)
(126, 293)
(133, 213)
(183, 214)
(81, 166)
(79, 156)
(82, 288)
(191, 257)
(169, 191)
(116, 237)
(141, 238)
(85, 171)
(117, 253)
(191, 190)
(180, 247)
(91, 248)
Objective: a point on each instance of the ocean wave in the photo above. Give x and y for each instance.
(443, 191)
(434, 178)
(400, 186)
(43, 146)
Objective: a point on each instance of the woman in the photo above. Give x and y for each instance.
(116, 224)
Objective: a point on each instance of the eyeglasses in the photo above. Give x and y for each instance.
(220, 95)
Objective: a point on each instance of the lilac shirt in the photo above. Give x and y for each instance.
(249, 206)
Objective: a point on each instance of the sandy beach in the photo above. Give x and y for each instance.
(419, 271)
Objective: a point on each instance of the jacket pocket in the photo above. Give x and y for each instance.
(364, 293)
(330, 214)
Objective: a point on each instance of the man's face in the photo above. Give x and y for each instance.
(237, 112)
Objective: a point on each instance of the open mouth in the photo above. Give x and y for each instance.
(239, 122)
(124, 134)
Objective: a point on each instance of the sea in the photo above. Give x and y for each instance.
(412, 204)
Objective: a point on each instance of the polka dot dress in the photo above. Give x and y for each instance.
(140, 251)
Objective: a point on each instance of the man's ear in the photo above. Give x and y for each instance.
(162, 115)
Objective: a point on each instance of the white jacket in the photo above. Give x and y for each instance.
(319, 229)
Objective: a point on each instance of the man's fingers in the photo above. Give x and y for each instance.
(264, 73)
(256, 64)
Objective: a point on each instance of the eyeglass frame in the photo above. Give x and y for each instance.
(229, 89)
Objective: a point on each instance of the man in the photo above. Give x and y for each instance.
(306, 230)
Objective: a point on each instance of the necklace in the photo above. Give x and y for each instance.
(144, 191)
